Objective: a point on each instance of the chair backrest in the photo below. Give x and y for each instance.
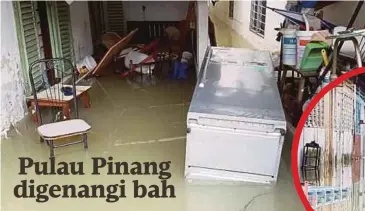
(53, 84)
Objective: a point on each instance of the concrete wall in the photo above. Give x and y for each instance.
(81, 30)
(13, 106)
(241, 19)
(345, 9)
(202, 31)
(155, 10)
(241, 22)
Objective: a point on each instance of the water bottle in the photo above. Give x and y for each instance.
(326, 79)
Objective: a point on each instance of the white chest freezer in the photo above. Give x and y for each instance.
(236, 123)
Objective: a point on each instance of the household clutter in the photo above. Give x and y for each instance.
(237, 106)
(315, 52)
(166, 52)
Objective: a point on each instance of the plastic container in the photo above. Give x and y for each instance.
(303, 38)
(88, 62)
(180, 71)
(329, 195)
(312, 198)
(186, 57)
(308, 4)
(137, 58)
(289, 47)
(321, 197)
(337, 195)
(326, 79)
(312, 57)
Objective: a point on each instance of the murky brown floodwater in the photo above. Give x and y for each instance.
(136, 123)
(227, 37)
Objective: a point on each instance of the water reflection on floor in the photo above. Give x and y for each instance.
(136, 123)
(226, 36)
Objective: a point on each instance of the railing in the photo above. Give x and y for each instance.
(149, 30)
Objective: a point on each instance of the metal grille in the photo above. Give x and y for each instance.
(316, 117)
(343, 108)
(343, 99)
(258, 17)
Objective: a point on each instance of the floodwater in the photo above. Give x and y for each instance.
(134, 122)
(226, 36)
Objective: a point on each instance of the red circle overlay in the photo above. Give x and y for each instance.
(298, 131)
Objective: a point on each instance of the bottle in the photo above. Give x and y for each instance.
(326, 79)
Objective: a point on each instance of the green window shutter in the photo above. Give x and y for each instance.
(115, 16)
(27, 26)
(60, 29)
(64, 23)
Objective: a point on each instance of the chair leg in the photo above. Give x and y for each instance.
(66, 110)
(51, 148)
(41, 139)
(84, 139)
(86, 99)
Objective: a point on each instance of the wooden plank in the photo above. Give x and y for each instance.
(117, 48)
(108, 57)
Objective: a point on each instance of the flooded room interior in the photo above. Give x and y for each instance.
(123, 85)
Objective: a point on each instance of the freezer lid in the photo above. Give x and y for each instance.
(238, 82)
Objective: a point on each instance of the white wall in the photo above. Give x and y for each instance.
(155, 10)
(241, 22)
(81, 30)
(202, 31)
(13, 106)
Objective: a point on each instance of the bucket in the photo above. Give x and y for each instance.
(186, 57)
(289, 47)
(88, 62)
(303, 38)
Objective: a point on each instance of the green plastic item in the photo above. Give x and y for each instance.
(312, 57)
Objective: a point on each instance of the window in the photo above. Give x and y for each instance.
(258, 17)
(231, 8)
(30, 34)
(28, 31)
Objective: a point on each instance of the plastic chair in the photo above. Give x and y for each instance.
(348, 36)
(53, 86)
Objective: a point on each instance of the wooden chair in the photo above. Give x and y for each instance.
(53, 86)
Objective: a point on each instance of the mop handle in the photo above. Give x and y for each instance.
(325, 57)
